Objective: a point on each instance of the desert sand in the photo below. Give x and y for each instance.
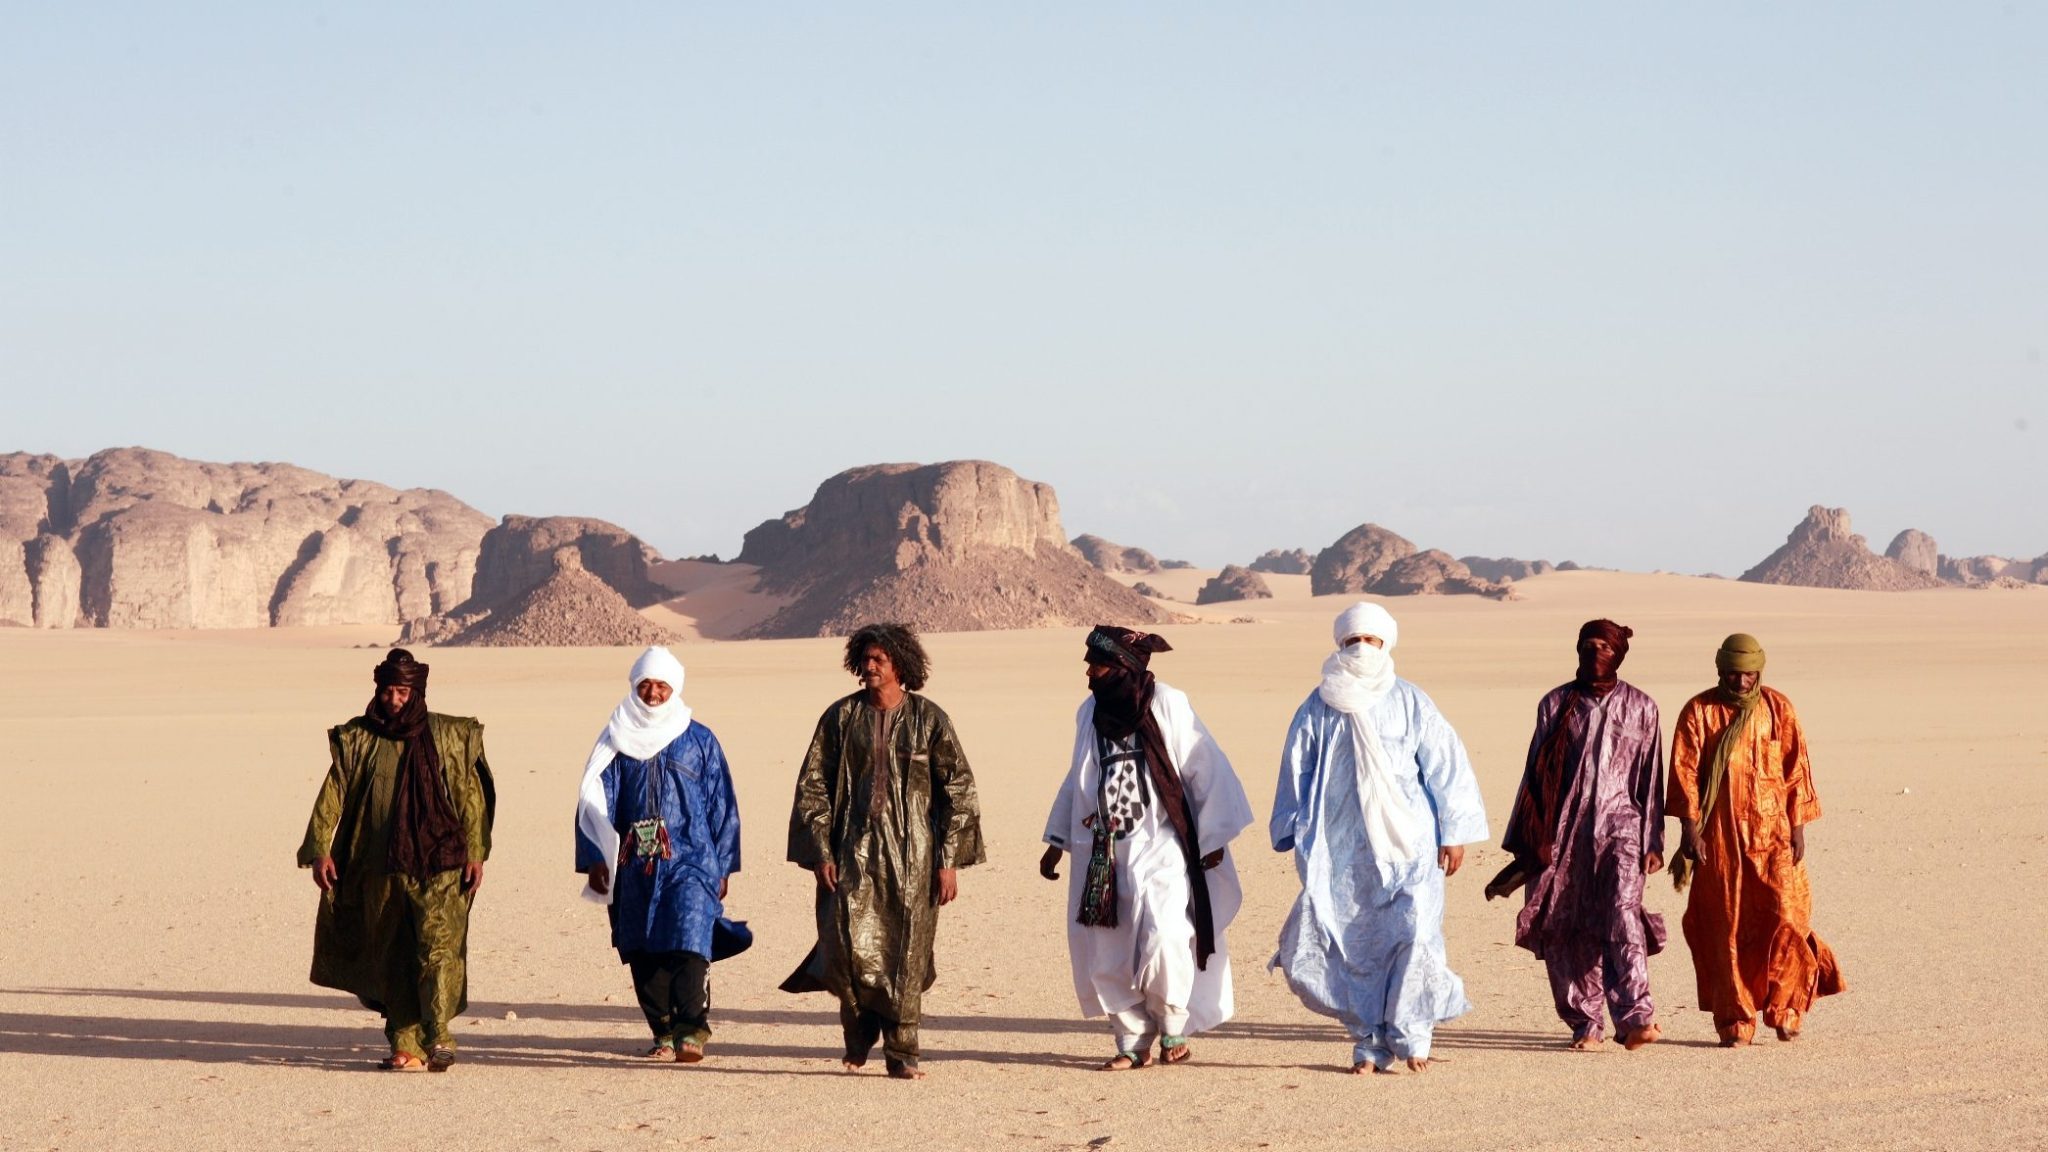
(153, 991)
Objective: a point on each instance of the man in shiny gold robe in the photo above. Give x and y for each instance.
(1742, 789)
(885, 814)
(397, 842)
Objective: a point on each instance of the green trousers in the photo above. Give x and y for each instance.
(426, 927)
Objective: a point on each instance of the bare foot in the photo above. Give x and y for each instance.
(1789, 1029)
(852, 1065)
(1120, 1063)
(899, 1070)
(1178, 1054)
(1419, 1063)
(1368, 1068)
(1736, 1035)
(1647, 1034)
(1587, 1043)
(689, 1052)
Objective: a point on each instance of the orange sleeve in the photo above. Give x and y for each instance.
(1682, 795)
(1802, 803)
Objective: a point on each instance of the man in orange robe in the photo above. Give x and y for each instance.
(1743, 789)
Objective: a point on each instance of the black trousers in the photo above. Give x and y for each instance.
(863, 1027)
(674, 989)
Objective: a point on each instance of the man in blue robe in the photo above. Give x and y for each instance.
(657, 835)
(1376, 799)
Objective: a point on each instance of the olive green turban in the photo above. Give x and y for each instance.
(1739, 653)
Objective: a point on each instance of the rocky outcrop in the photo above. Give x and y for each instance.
(1175, 565)
(959, 546)
(1434, 573)
(1822, 552)
(1144, 589)
(1358, 558)
(1373, 560)
(1233, 583)
(1505, 569)
(1916, 550)
(521, 552)
(1292, 562)
(569, 607)
(553, 581)
(133, 538)
(1109, 557)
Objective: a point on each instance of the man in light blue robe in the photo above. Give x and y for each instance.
(1376, 814)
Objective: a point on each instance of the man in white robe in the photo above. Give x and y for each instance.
(1149, 806)
(1376, 799)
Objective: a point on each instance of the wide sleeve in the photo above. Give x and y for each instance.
(956, 811)
(810, 816)
(474, 797)
(1682, 794)
(1646, 784)
(319, 840)
(1448, 778)
(1515, 839)
(724, 816)
(588, 853)
(1059, 823)
(1802, 803)
(1222, 810)
(1299, 757)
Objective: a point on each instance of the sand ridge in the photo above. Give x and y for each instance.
(153, 989)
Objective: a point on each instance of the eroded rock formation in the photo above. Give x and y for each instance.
(1358, 558)
(1291, 562)
(134, 538)
(1822, 552)
(553, 581)
(1505, 569)
(1110, 557)
(1233, 583)
(959, 546)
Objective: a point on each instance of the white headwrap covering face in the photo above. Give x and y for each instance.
(1355, 680)
(638, 731)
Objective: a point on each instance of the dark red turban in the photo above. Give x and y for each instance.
(1599, 674)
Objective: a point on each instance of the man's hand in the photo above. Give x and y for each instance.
(1799, 844)
(1212, 859)
(472, 876)
(828, 875)
(949, 886)
(1450, 858)
(1689, 840)
(600, 878)
(1049, 864)
(1653, 863)
(724, 882)
(324, 874)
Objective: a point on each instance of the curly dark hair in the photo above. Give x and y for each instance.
(899, 641)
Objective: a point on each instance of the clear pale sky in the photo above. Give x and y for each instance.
(1621, 284)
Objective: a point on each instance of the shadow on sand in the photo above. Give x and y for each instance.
(327, 1046)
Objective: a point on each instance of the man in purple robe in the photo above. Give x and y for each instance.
(1587, 828)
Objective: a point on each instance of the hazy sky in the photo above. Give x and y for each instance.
(1619, 283)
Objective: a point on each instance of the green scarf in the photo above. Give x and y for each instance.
(1739, 653)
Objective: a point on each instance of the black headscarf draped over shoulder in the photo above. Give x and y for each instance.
(1123, 707)
(426, 836)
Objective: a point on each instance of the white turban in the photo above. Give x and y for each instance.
(1367, 619)
(1355, 680)
(639, 731)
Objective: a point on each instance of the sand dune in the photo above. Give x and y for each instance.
(153, 990)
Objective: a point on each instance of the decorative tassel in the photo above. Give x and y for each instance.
(1098, 895)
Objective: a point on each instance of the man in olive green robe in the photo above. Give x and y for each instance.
(397, 843)
(885, 813)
